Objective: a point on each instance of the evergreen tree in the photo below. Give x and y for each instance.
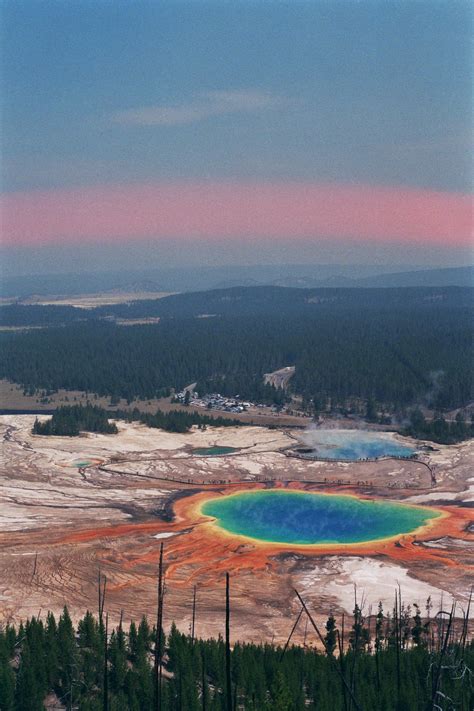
(51, 646)
(7, 675)
(67, 659)
(280, 695)
(29, 691)
(91, 653)
(417, 632)
(118, 660)
(371, 410)
(331, 635)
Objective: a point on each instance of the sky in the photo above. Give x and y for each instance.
(236, 131)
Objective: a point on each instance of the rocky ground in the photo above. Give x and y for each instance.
(73, 506)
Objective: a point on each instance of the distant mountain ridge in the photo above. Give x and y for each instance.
(451, 276)
(207, 278)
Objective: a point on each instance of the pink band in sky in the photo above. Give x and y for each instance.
(236, 210)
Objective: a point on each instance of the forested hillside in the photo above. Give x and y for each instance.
(19, 315)
(251, 301)
(397, 347)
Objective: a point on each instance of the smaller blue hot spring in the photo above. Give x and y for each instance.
(353, 445)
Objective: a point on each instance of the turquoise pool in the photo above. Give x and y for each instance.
(354, 445)
(213, 451)
(291, 517)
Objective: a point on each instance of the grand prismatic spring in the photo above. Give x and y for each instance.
(291, 517)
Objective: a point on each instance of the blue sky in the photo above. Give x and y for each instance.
(377, 92)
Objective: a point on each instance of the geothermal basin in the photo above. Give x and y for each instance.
(352, 445)
(300, 518)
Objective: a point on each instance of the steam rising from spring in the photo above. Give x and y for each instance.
(353, 444)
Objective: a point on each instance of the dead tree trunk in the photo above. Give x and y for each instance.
(158, 669)
(194, 615)
(291, 634)
(227, 646)
(203, 681)
(106, 670)
(397, 623)
(465, 626)
(442, 653)
(34, 567)
(101, 588)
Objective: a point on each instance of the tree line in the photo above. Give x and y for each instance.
(403, 661)
(71, 420)
(175, 420)
(438, 429)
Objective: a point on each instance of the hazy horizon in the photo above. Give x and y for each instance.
(169, 255)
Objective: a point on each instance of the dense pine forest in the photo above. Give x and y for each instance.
(175, 421)
(71, 420)
(247, 301)
(438, 429)
(398, 347)
(398, 662)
